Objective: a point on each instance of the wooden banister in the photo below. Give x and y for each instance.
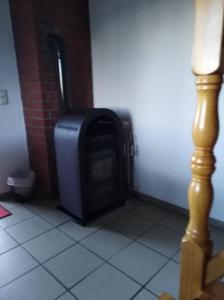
(199, 271)
(196, 245)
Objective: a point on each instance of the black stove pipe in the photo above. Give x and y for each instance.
(56, 44)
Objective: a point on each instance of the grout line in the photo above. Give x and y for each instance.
(39, 265)
(9, 250)
(103, 225)
(91, 233)
(158, 271)
(139, 291)
(22, 221)
(148, 219)
(109, 263)
(35, 214)
(40, 214)
(171, 229)
(136, 294)
(154, 250)
(104, 261)
(153, 276)
(136, 239)
(84, 277)
(172, 258)
(29, 240)
(11, 281)
(146, 246)
(77, 242)
(67, 291)
(60, 252)
(116, 268)
(125, 246)
(64, 286)
(42, 265)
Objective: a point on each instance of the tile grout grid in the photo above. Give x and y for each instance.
(36, 214)
(104, 261)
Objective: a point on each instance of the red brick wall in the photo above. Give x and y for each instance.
(32, 22)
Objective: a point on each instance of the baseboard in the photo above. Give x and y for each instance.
(174, 208)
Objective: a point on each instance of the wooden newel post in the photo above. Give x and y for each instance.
(196, 246)
(205, 132)
(200, 271)
(207, 66)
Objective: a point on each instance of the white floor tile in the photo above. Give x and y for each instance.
(14, 264)
(139, 262)
(112, 216)
(6, 242)
(9, 203)
(29, 229)
(55, 216)
(150, 211)
(48, 245)
(106, 242)
(36, 285)
(19, 214)
(167, 280)
(176, 222)
(131, 225)
(162, 240)
(106, 283)
(78, 232)
(72, 265)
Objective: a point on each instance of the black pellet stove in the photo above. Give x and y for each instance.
(90, 162)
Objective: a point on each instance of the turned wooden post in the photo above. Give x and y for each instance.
(198, 270)
(207, 66)
(196, 246)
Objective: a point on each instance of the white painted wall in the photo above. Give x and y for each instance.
(142, 61)
(13, 145)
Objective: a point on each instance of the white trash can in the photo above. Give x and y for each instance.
(22, 183)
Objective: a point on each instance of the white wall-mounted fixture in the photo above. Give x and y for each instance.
(3, 97)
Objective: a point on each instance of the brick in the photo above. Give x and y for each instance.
(32, 113)
(32, 22)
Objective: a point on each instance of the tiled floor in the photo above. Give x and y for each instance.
(132, 253)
